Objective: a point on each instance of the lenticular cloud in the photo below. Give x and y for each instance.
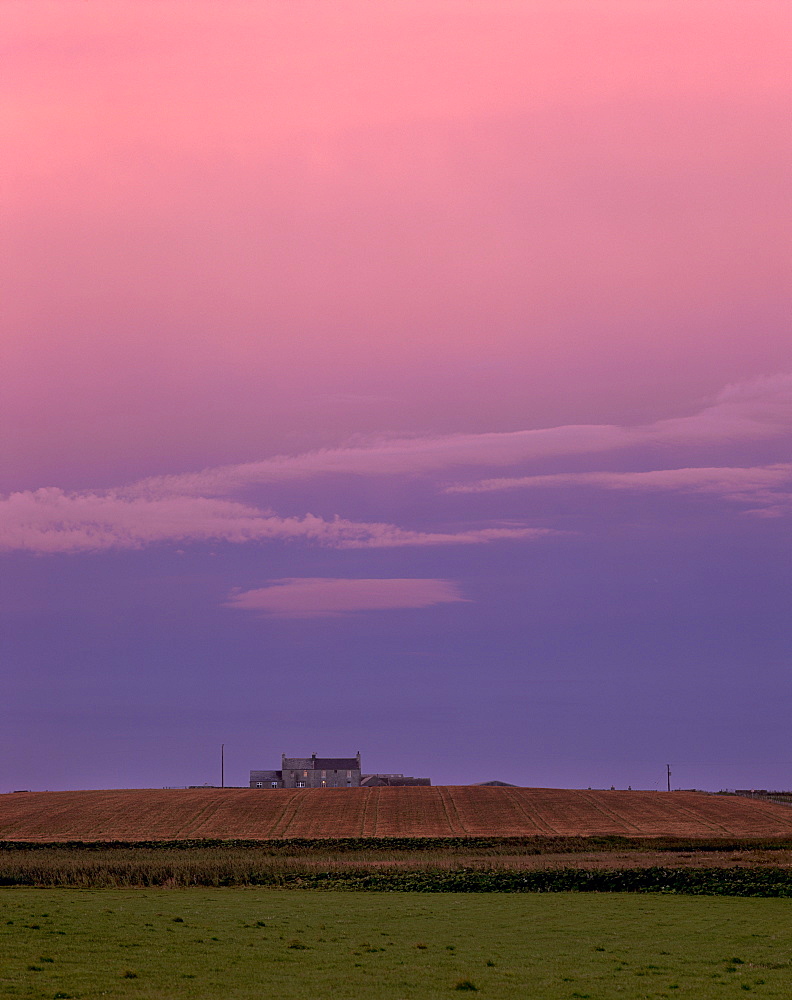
(312, 597)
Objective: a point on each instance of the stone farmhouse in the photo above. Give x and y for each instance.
(326, 772)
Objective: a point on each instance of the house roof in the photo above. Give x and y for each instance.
(321, 763)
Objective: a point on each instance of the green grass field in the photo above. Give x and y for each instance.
(298, 945)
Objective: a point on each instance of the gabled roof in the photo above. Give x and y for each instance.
(321, 763)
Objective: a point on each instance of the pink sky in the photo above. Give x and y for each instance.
(256, 234)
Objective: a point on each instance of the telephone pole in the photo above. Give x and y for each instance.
(668, 776)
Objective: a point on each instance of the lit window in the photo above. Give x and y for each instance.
(301, 784)
(305, 774)
(259, 784)
(349, 774)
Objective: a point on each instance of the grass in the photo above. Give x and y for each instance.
(154, 944)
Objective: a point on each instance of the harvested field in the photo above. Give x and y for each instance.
(453, 811)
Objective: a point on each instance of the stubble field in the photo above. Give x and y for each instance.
(453, 811)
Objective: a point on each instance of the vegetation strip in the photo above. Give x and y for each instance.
(692, 881)
(522, 845)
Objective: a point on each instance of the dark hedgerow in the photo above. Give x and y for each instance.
(494, 845)
(688, 881)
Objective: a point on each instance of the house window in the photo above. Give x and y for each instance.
(305, 774)
(324, 783)
(274, 784)
(259, 784)
(349, 774)
(324, 774)
(301, 784)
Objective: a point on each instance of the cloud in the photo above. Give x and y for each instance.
(200, 507)
(312, 597)
(50, 520)
(765, 489)
(745, 411)
(750, 411)
(391, 457)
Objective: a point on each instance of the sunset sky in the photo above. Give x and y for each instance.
(411, 377)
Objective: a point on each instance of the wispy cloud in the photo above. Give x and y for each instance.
(202, 508)
(392, 457)
(312, 597)
(750, 411)
(50, 520)
(763, 489)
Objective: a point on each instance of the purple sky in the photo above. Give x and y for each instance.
(411, 377)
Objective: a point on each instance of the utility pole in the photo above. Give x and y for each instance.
(222, 765)
(668, 776)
